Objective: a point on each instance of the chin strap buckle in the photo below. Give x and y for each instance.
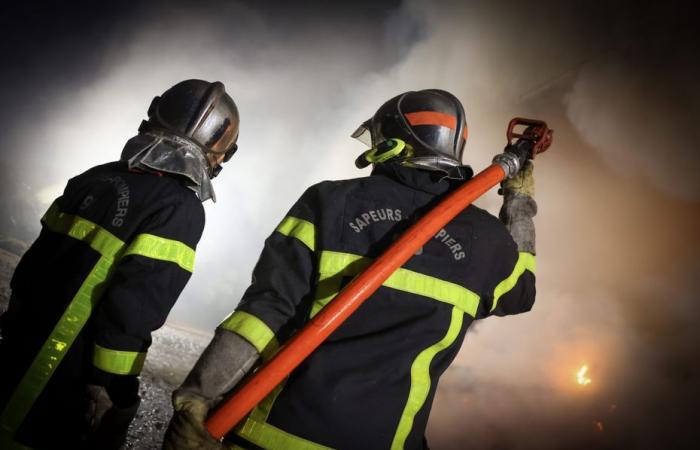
(381, 153)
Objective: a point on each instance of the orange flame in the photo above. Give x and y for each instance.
(581, 377)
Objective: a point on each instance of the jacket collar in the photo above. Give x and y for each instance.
(429, 181)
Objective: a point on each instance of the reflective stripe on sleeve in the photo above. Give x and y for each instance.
(252, 330)
(333, 265)
(300, 229)
(156, 247)
(118, 362)
(420, 379)
(526, 261)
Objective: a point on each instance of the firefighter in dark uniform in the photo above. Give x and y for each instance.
(114, 253)
(372, 383)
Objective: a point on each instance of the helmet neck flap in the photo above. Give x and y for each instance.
(168, 153)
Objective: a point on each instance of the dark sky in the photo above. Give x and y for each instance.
(618, 193)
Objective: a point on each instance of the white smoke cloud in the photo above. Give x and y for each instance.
(302, 90)
(293, 92)
(300, 96)
(632, 122)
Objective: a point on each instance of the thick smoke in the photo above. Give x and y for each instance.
(617, 244)
(637, 106)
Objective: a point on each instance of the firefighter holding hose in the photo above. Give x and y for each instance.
(370, 385)
(114, 253)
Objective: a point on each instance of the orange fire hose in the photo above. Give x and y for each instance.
(303, 343)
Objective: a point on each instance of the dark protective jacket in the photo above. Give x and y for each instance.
(372, 383)
(114, 253)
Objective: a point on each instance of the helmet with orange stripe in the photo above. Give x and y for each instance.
(430, 122)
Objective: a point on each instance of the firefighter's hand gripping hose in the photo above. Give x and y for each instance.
(186, 430)
(519, 207)
(536, 138)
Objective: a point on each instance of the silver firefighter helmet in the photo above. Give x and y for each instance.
(201, 112)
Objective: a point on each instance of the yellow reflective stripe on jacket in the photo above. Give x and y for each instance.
(7, 442)
(270, 437)
(75, 315)
(335, 264)
(263, 339)
(526, 261)
(56, 346)
(300, 229)
(156, 247)
(101, 240)
(118, 362)
(326, 289)
(420, 379)
(262, 410)
(252, 330)
(73, 319)
(345, 264)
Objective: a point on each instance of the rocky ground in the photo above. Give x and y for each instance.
(8, 262)
(173, 352)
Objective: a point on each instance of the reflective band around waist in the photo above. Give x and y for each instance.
(156, 247)
(526, 261)
(252, 330)
(118, 362)
(420, 380)
(270, 437)
(300, 229)
(346, 264)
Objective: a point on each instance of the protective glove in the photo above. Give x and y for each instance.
(97, 403)
(519, 208)
(186, 429)
(107, 424)
(224, 362)
(522, 183)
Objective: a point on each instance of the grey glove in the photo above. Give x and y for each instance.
(186, 429)
(107, 424)
(519, 207)
(97, 402)
(226, 360)
(522, 183)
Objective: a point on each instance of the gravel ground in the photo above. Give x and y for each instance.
(147, 429)
(171, 356)
(8, 262)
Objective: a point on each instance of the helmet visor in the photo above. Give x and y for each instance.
(230, 152)
(363, 133)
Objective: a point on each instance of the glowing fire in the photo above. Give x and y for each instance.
(599, 426)
(581, 377)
